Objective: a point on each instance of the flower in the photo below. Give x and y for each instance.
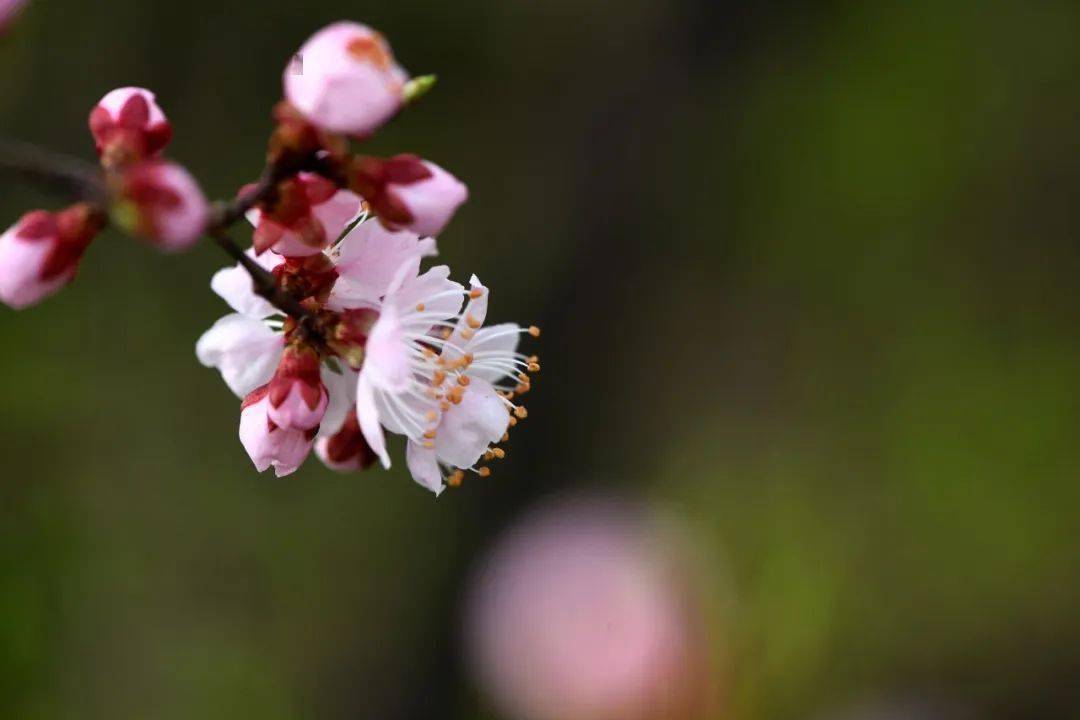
(40, 253)
(161, 202)
(128, 125)
(297, 395)
(308, 213)
(345, 80)
(473, 412)
(590, 609)
(268, 444)
(345, 450)
(392, 390)
(243, 346)
(409, 193)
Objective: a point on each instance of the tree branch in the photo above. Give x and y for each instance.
(62, 174)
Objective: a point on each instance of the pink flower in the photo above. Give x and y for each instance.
(162, 202)
(408, 193)
(345, 80)
(586, 612)
(309, 214)
(268, 444)
(345, 450)
(128, 126)
(297, 395)
(40, 254)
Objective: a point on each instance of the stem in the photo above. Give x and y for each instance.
(59, 173)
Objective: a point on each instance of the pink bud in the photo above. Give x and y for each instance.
(41, 252)
(346, 450)
(9, 10)
(345, 79)
(161, 202)
(128, 126)
(409, 193)
(297, 395)
(309, 214)
(268, 444)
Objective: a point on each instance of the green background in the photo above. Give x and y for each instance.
(807, 276)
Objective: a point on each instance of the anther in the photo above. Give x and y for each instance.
(472, 322)
(430, 434)
(483, 472)
(534, 331)
(521, 412)
(463, 380)
(534, 367)
(475, 293)
(420, 307)
(498, 452)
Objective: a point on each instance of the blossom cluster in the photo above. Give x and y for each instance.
(339, 335)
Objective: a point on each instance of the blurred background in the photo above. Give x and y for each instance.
(807, 278)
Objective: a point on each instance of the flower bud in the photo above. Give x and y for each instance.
(267, 443)
(297, 395)
(346, 450)
(307, 213)
(409, 193)
(128, 126)
(161, 202)
(40, 254)
(345, 79)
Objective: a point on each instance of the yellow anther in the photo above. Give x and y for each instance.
(534, 367)
(420, 307)
(476, 292)
(520, 412)
(472, 322)
(484, 471)
(430, 434)
(463, 380)
(534, 331)
(498, 452)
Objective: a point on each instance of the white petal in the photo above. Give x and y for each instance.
(368, 418)
(491, 344)
(234, 286)
(468, 428)
(440, 297)
(386, 359)
(473, 317)
(424, 467)
(245, 350)
(341, 388)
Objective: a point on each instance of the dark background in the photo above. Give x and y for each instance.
(807, 276)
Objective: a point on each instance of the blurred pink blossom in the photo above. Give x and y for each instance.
(583, 613)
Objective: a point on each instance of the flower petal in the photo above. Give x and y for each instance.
(245, 350)
(368, 417)
(468, 428)
(424, 467)
(234, 286)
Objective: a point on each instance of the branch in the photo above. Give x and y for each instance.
(62, 174)
(263, 283)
